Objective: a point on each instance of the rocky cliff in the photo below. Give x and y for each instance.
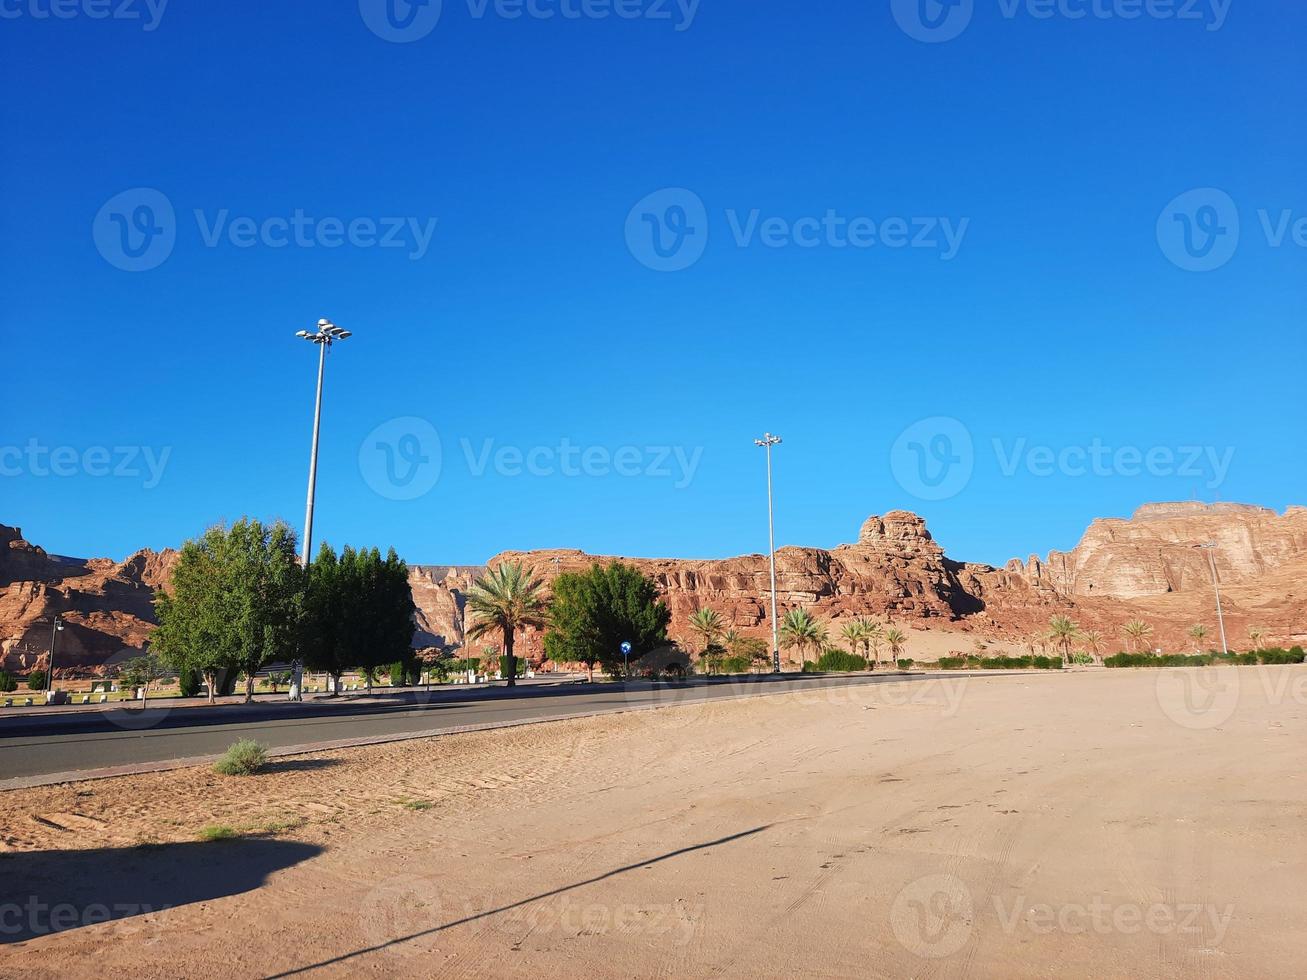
(1145, 566)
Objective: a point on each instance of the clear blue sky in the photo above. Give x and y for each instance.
(1063, 319)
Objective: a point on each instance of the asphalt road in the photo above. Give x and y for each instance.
(40, 744)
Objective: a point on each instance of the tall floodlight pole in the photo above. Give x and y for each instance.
(1210, 548)
(767, 441)
(326, 335)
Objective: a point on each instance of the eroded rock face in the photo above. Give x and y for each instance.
(107, 606)
(1144, 567)
(1154, 552)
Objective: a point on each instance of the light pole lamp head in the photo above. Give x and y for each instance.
(327, 333)
(768, 440)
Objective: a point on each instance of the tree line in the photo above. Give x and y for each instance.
(239, 599)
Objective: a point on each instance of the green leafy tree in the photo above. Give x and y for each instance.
(595, 611)
(1198, 633)
(1063, 631)
(36, 680)
(8, 682)
(506, 600)
(140, 672)
(358, 613)
(799, 631)
(874, 636)
(752, 649)
(233, 603)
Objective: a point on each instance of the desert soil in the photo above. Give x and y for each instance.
(1092, 824)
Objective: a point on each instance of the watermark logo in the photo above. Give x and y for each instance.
(148, 12)
(932, 917)
(135, 231)
(933, 459)
(1199, 230)
(1100, 917)
(143, 463)
(1198, 698)
(400, 21)
(400, 459)
(667, 231)
(403, 915)
(932, 21)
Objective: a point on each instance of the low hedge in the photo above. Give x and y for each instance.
(1273, 655)
(1000, 663)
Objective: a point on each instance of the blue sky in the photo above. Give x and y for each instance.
(1061, 353)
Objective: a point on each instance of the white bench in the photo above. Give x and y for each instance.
(86, 699)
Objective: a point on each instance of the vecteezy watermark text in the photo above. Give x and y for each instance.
(402, 459)
(935, 21)
(148, 12)
(405, 21)
(137, 230)
(935, 458)
(119, 462)
(668, 231)
(37, 918)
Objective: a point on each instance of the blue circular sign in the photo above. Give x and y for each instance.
(626, 647)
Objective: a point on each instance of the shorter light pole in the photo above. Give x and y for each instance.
(55, 629)
(767, 441)
(1210, 548)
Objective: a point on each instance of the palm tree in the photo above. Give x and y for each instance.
(799, 629)
(1197, 632)
(897, 640)
(506, 599)
(1256, 634)
(854, 633)
(707, 625)
(1138, 631)
(873, 638)
(1094, 641)
(1063, 631)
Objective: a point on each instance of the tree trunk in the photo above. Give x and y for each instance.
(590, 672)
(211, 681)
(512, 660)
(249, 686)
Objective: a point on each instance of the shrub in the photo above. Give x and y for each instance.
(244, 758)
(906, 663)
(951, 663)
(736, 665)
(503, 666)
(216, 832)
(839, 660)
(188, 683)
(1297, 653)
(36, 680)
(8, 682)
(1082, 658)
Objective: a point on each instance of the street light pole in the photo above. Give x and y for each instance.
(55, 627)
(326, 335)
(767, 441)
(1210, 548)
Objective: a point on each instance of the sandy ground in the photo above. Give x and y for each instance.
(1093, 824)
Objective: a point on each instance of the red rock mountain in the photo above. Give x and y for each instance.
(1146, 566)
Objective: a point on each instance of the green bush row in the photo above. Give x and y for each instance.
(1274, 655)
(1000, 663)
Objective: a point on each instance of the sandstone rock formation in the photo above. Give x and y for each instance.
(107, 606)
(1144, 567)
